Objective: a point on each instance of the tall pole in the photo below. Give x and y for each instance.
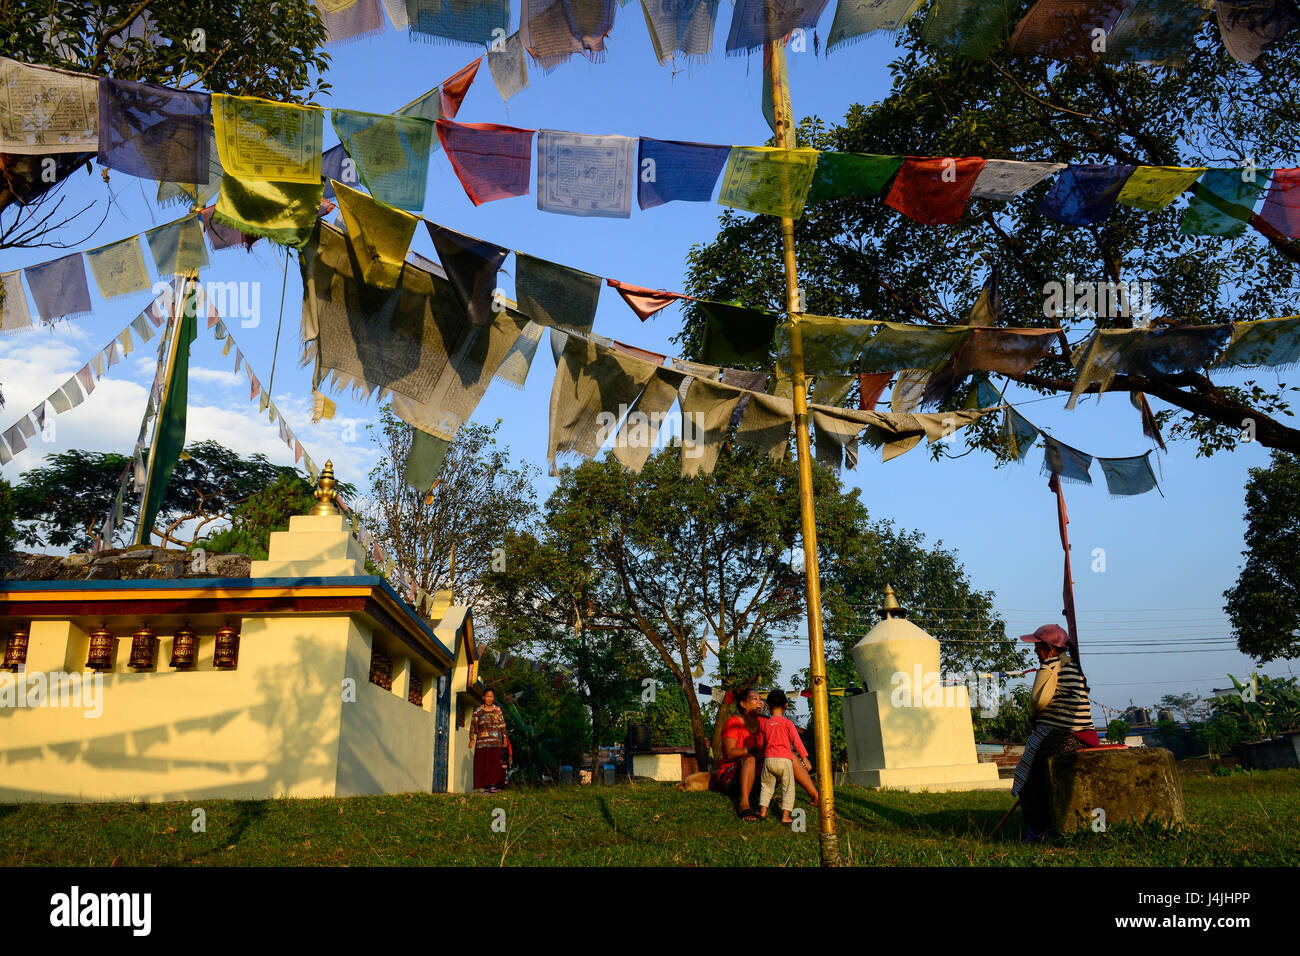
(830, 841)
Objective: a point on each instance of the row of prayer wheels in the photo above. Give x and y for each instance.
(144, 649)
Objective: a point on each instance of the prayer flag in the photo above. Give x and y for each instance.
(755, 22)
(1157, 31)
(870, 387)
(1223, 202)
(59, 288)
(508, 66)
(769, 98)
(1128, 476)
(284, 212)
(1173, 350)
(44, 110)
(514, 367)
(973, 28)
(1005, 179)
(590, 379)
(142, 328)
(554, 30)
(491, 162)
(425, 460)
(390, 153)
(582, 175)
(1282, 203)
(221, 236)
(645, 302)
(768, 180)
(1085, 194)
(352, 20)
(830, 344)
(119, 268)
(735, 334)
(264, 140)
(1249, 27)
(898, 346)
(1018, 435)
(856, 20)
(1154, 187)
(177, 247)
(397, 14)
(1065, 29)
(934, 191)
(321, 406)
(1274, 343)
(453, 89)
(471, 266)
(153, 131)
(379, 236)
(671, 170)
(681, 26)
(1068, 463)
(14, 315)
(708, 408)
(474, 22)
(555, 295)
(855, 175)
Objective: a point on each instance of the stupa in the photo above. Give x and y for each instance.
(908, 731)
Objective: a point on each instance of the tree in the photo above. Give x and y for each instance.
(253, 522)
(1117, 730)
(1264, 604)
(1186, 706)
(60, 503)
(860, 258)
(8, 531)
(267, 48)
(449, 537)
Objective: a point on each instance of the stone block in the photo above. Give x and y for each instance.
(1130, 785)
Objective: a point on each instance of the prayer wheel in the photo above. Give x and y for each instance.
(16, 650)
(185, 648)
(225, 655)
(103, 649)
(416, 694)
(144, 649)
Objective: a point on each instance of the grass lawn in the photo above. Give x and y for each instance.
(1243, 819)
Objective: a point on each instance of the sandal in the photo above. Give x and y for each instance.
(748, 815)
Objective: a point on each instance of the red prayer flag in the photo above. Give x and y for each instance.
(645, 302)
(870, 386)
(654, 358)
(1282, 203)
(454, 88)
(934, 191)
(492, 162)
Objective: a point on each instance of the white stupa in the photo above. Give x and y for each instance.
(908, 731)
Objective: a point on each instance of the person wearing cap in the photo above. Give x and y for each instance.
(1062, 721)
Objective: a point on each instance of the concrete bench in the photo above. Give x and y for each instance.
(1129, 785)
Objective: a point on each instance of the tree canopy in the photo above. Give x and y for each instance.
(860, 258)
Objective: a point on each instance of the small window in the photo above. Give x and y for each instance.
(381, 670)
(416, 694)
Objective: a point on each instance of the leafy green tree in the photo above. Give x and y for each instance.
(1186, 706)
(861, 259)
(8, 531)
(1117, 731)
(267, 511)
(1264, 604)
(547, 722)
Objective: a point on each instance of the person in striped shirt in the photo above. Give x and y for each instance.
(1062, 719)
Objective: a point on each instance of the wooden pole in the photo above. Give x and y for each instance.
(830, 844)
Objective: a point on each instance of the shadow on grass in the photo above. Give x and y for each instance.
(246, 812)
(875, 811)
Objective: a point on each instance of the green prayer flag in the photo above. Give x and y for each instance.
(282, 212)
(425, 460)
(178, 247)
(391, 154)
(1274, 343)
(1223, 202)
(851, 174)
(973, 28)
(734, 334)
(768, 180)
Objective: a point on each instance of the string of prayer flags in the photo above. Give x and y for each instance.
(1223, 202)
(554, 30)
(514, 368)
(853, 21)
(856, 175)
(508, 66)
(755, 22)
(452, 92)
(390, 154)
(1274, 343)
(1068, 464)
(379, 236)
(14, 315)
(1005, 179)
(1249, 27)
(471, 266)
(284, 212)
(589, 380)
(639, 432)
(709, 406)
(44, 110)
(973, 28)
(154, 132)
(1128, 476)
(1157, 31)
(898, 346)
(768, 180)
(1018, 434)
(119, 268)
(554, 295)
(678, 171)
(1084, 194)
(934, 191)
(1282, 204)
(735, 334)
(351, 19)
(645, 302)
(491, 162)
(425, 461)
(582, 175)
(474, 22)
(177, 247)
(59, 288)
(264, 140)
(1154, 187)
(684, 26)
(1064, 29)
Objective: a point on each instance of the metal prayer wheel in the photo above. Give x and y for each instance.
(103, 649)
(416, 694)
(225, 656)
(185, 648)
(144, 649)
(16, 650)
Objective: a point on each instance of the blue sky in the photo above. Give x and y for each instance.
(1167, 560)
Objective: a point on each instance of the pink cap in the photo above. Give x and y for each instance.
(1052, 634)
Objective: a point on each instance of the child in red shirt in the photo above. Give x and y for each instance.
(778, 759)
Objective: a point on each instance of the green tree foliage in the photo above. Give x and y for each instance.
(859, 258)
(1117, 731)
(8, 530)
(252, 523)
(1186, 706)
(1011, 722)
(1234, 720)
(1264, 604)
(548, 724)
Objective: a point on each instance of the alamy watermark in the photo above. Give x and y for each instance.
(55, 689)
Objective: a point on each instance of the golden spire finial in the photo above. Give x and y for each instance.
(325, 493)
(891, 607)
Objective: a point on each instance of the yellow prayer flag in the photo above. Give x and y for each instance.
(768, 180)
(266, 140)
(321, 406)
(1154, 187)
(379, 234)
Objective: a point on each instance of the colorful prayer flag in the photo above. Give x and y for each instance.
(1068, 463)
(1249, 27)
(1005, 179)
(855, 175)
(177, 247)
(735, 334)
(1065, 29)
(491, 162)
(284, 212)
(1128, 476)
(1157, 31)
(1085, 194)
(973, 28)
(755, 22)
(671, 170)
(682, 26)
(351, 20)
(390, 153)
(582, 175)
(59, 288)
(1154, 187)
(453, 89)
(1223, 202)
(856, 20)
(554, 30)
(1282, 203)
(554, 295)
(768, 180)
(934, 191)
(264, 140)
(118, 268)
(471, 266)
(44, 110)
(474, 22)
(508, 66)
(379, 235)
(645, 302)
(153, 131)
(14, 315)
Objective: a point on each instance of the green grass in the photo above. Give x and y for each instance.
(1243, 819)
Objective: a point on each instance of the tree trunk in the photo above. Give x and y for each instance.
(697, 730)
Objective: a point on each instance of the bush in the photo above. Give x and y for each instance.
(253, 522)
(1117, 731)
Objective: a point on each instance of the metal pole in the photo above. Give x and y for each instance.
(830, 841)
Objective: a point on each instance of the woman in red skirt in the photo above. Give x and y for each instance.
(488, 740)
